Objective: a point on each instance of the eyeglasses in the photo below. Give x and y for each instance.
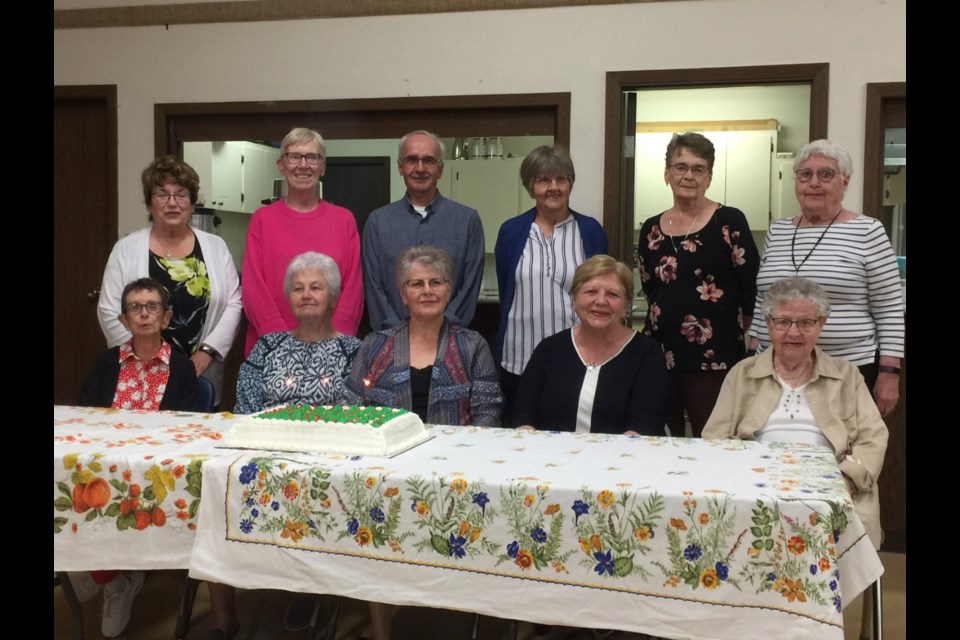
(134, 308)
(411, 162)
(546, 181)
(804, 324)
(823, 175)
(163, 196)
(294, 158)
(419, 285)
(681, 169)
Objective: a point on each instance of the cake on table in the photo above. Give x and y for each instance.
(350, 430)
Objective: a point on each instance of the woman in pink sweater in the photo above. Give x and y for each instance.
(299, 222)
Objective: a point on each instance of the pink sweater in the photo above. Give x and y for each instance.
(275, 236)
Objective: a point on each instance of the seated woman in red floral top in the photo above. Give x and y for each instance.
(142, 373)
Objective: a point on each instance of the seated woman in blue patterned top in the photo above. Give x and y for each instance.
(308, 364)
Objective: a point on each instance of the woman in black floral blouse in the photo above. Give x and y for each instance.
(698, 267)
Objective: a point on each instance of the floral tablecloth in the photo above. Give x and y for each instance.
(126, 486)
(675, 537)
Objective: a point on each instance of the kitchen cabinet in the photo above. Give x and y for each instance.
(741, 173)
(492, 187)
(234, 175)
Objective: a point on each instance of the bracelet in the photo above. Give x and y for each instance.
(886, 368)
(210, 351)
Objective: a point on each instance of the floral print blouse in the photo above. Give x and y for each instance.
(189, 286)
(699, 287)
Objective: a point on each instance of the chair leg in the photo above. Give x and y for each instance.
(75, 609)
(511, 633)
(871, 622)
(186, 608)
(475, 627)
(330, 631)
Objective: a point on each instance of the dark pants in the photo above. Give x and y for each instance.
(693, 392)
(508, 384)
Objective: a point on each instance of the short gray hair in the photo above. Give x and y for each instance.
(827, 149)
(546, 161)
(420, 132)
(429, 256)
(300, 135)
(795, 288)
(309, 261)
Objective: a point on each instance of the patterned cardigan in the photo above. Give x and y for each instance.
(464, 389)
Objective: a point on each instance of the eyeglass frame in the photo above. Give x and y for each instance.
(411, 161)
(697, 170)
(814, 322)
(561, 180)
(287, 157)
(819, 173)
(422, 283)
(165, 196)
(134, 308)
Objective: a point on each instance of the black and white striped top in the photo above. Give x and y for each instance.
(541, 302)
(856, 266)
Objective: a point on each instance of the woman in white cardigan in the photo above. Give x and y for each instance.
(196, 267)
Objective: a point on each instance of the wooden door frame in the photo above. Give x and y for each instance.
(615, 221)
(447, 116)
(878, 95)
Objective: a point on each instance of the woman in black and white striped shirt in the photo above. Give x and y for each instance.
(848, 254)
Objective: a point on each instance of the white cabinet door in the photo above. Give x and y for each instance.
(492, 188)
(259, 171)
(227, 176)
(748, 158)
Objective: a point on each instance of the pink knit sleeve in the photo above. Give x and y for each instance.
(346, 317)
(258, 303)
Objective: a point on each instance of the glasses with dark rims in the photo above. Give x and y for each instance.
(294, 158)
(823, 175)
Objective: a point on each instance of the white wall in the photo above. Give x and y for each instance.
(536, 50)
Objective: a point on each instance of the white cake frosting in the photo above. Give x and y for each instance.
(350, 430)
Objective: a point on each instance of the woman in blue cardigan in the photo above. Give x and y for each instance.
(537, 254)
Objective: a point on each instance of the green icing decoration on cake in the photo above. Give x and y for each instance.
(341, 414)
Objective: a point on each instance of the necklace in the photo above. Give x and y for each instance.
(793, 241)
(795, 378)
(689, 229)
(591, 359)
(167, 252)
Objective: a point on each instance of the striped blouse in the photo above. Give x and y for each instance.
(541, 304)
(855, 264)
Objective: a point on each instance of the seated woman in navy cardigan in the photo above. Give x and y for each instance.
(142, 373)
(599, 376)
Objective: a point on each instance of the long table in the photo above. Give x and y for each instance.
(669, 536)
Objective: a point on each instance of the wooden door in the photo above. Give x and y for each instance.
(84, 226)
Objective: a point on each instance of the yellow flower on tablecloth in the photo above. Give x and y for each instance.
(70, 461)
(475, 534)
(363, 536)
(679, 524)
(672, 581)
(753, 553)
(558, 566)
(796, 545)
(529, 499)
(293, 530)
(291, 490)
(391, 492)
(759, 469)
(394, 546)
(423, 508)
(264, 498)
(464, 527)
(605, 498)
(642, 532)
(824, 564)
(370, 482)
(704, 518)
(793, 590)
(832, 552)
(690, 503)
(524, 559)
(459, 485)
(551, 509)
(709, 579)
(325, 503)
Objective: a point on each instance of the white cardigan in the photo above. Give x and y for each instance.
(130, 259)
